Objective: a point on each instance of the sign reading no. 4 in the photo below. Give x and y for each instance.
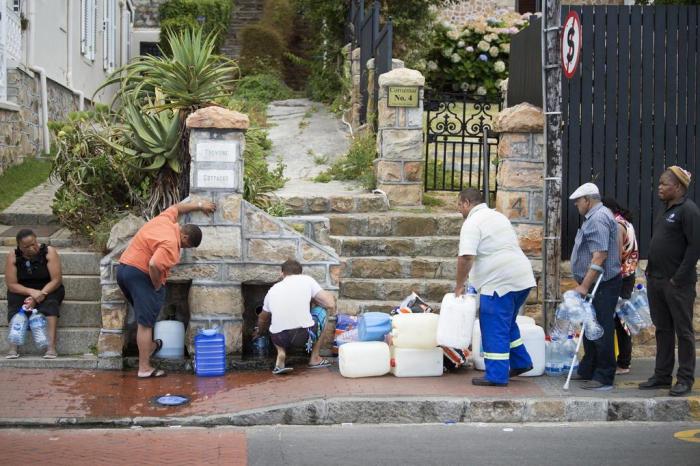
(403, 96)
(571, 44)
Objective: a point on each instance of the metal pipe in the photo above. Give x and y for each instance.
(31, 17)
(69, 45)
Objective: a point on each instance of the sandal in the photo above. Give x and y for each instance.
(282, 370)
(12, 355)
(323, 363)
(155, 373)
(50, 355)
(159, 346)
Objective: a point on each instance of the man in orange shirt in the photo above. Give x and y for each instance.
(144, 267)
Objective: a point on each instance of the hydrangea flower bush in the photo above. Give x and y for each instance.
(473, 57)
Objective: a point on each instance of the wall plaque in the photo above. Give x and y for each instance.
(401, 96)
(216, 179)
(218, 151)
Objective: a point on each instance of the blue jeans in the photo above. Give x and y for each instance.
(599, 363)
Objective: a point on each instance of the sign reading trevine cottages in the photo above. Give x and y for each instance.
(403, 96)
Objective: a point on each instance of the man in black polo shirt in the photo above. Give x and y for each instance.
(673, 254)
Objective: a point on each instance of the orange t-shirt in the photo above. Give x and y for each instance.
(158, 239)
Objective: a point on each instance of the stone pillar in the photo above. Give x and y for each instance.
(520, 195)
(217, 142)
(399, 167)
(355, 94)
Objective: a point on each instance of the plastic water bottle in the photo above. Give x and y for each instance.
(641, 302)
(554, 362)
(18, 327)
(569, 352)
(548, 355)
(37, 324)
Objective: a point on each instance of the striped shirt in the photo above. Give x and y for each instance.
(598, 233)
(500, 265)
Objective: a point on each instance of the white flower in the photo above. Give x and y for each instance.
(447, 52)
(493, 51)
(452, 34)
(432, 66)
(483, 46)
(464, 86)
(467, 33)
(460, 44)
(505, 47)
(499, 66)
(481, 90)
(446, 24)
(456, 58)
(470, 49)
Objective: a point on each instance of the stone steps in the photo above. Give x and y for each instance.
(332, 204)
(387, 267)
(244, 12)
(394, 223)
(70, 341)
(78, 287)
(63, 238)
(73, 314)
(73, 261)
(394, 289)
(77, 361)
(406, 246)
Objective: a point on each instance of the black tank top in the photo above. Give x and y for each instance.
(33, 273)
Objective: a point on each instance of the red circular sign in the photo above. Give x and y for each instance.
(571, 38)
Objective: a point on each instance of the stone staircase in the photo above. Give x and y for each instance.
(244, 12)
(80, 321)
(387, 255)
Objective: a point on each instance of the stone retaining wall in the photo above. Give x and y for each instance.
(146, 14)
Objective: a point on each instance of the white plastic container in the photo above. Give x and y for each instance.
(414, 330)
(172, 332)
(364, 359)
(525, 320)
(533, 338)
(456, 321)
(411, 362)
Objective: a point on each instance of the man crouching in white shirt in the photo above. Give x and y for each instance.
(288, 315)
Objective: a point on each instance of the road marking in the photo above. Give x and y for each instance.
(688, 435)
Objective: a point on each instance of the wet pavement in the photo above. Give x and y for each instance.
(27, 394)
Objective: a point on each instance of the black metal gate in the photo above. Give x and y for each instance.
(460, 147)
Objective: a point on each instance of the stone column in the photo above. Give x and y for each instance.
(520, 178)
(399, 167)
(217, 142)
(355, 94)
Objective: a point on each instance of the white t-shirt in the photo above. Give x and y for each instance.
(500, 265)
(289, 302)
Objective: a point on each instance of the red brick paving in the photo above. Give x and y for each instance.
(191, 446)
(30, 394)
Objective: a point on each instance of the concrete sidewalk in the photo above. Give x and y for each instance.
(320, 396)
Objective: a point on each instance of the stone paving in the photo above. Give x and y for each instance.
(34, 207)
(321, 396)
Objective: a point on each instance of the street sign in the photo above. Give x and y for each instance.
(571, 38)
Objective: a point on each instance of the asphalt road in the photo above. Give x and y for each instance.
(600, 444)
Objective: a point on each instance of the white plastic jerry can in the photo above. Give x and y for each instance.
(533, 339)
(414, 330)
(363, 359)
(412, 362)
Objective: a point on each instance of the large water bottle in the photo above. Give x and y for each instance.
(641, 302)
(37, 323)
(593, 329)
(548, 355)
(555, 362)
(569, 353)
(18, 327)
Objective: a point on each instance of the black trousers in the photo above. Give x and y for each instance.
(598, 362)
(624, 340)
(672, 313)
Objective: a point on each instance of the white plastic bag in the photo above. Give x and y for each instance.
(456, 322)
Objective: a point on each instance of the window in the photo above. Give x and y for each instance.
(88, 18)
(149, 48)
(109, 36)
(16, 6)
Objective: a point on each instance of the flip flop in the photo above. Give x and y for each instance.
(159, 346)
(50, 355)
(323, 363)
(282, 370)
(155, 373)
(12, 355)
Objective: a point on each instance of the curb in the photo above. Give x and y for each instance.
(409, 411)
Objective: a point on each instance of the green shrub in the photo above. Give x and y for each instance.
(357, 164)
(278, 15)
(258, 178)
(262, 88)
(262, 49)
(18, 179)
(178, 15)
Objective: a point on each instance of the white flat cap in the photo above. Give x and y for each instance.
(587, 189)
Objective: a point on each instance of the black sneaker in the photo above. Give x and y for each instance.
(680, 389)
(517, 372)
(653, 384)
(482, 382)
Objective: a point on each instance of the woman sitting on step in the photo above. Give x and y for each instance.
(34, 272)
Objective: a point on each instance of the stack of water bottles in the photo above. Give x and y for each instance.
(634, 312)
(36, 322)
(572, 312)
(559, 353)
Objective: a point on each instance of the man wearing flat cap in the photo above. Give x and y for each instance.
(671, 276)
(595, 252)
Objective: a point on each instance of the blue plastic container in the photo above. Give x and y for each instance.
(209, 353)
(373, 326)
